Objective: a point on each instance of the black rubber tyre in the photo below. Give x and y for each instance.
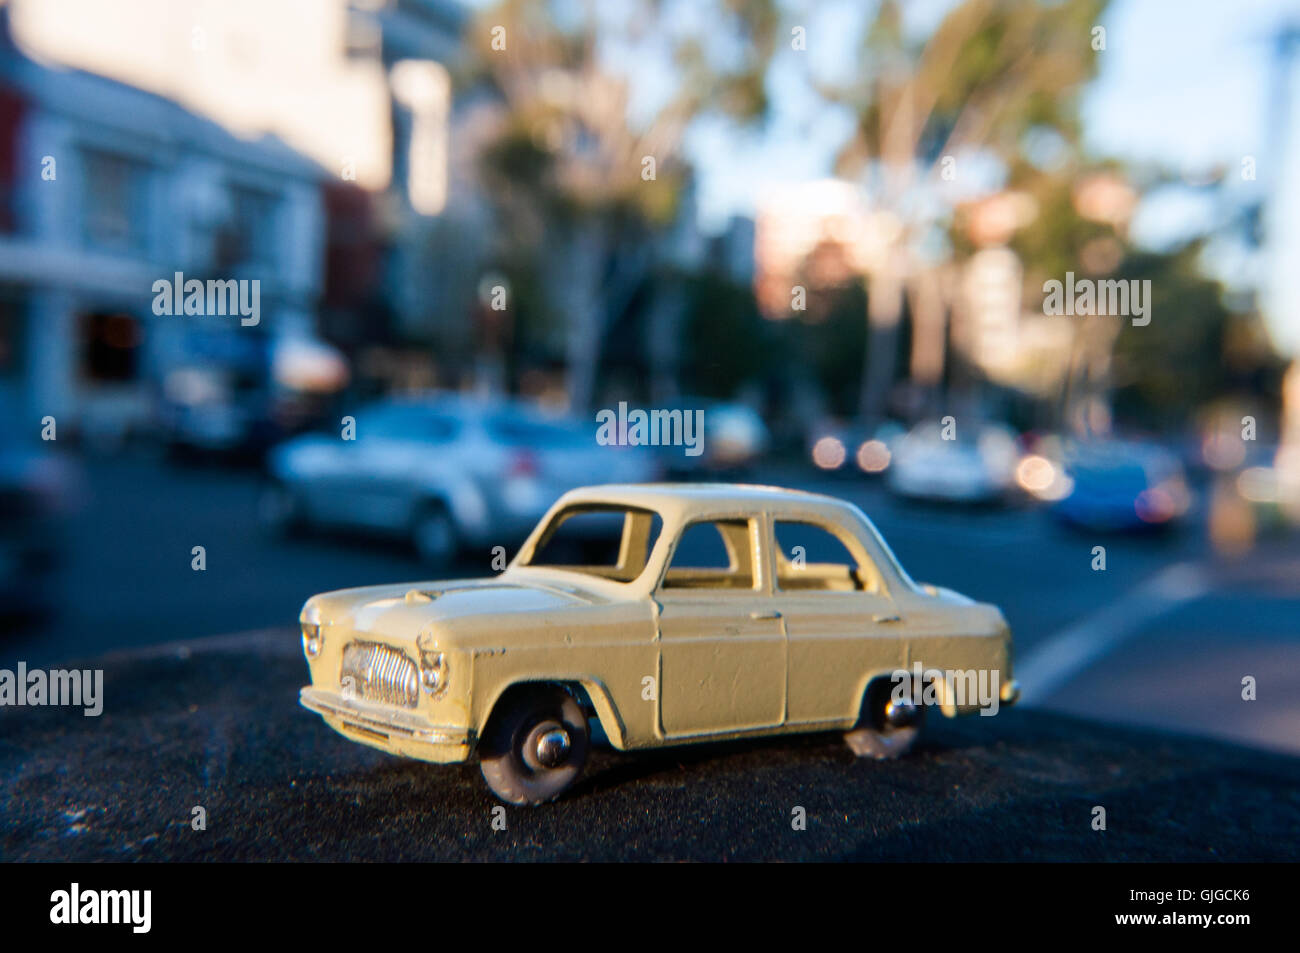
(508, 752)
(873, 736)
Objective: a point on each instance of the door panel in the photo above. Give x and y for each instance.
(720, 669)
(835, 639)
(840, 623)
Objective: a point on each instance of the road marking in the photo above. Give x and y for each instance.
(1067, 653)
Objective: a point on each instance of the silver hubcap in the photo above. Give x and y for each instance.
(553, 748)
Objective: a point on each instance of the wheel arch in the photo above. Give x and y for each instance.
(588, 691)
(886, 677)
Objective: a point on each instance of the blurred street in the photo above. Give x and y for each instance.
(1162, 637)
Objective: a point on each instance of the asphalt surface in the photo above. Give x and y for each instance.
(215, 723)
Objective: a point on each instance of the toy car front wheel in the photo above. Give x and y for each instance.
(887, 727)
(535, 746)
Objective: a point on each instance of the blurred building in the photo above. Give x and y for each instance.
(354, 95)
(108, 189)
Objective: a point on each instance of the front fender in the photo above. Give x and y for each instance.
(584, 687)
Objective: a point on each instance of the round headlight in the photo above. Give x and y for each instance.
(312, 639)
(433, 672)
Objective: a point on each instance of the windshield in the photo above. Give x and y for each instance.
(603, 540)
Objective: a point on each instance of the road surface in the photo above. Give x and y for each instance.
(215, 724)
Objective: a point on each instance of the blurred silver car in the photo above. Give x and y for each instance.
(973, 468)
(444, 471)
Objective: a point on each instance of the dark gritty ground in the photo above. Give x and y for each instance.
(216, 723)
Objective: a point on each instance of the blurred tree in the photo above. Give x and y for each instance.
(727, 342)
(833, 345)
(991, 73)
(584, 181)
(1193, 351)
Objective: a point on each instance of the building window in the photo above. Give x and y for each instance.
(110, 347)
(248, 237)
(116, 207)
(11, 334)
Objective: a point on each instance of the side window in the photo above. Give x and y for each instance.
(713, 555)
(811, 556)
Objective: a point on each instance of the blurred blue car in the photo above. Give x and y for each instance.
(1116, 486)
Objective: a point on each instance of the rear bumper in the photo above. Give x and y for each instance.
(388, 729)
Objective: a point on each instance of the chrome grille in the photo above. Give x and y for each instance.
(380, 673)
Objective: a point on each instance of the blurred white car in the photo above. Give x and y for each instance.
(852, 450)
(735, 438)
(446, 472)
(973, 467)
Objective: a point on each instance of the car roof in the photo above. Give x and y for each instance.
(687, 499)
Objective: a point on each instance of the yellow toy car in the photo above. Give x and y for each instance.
(655, 615)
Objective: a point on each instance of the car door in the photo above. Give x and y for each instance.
(722, 643)
(841, 622)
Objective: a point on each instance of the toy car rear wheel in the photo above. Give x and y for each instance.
(535, 746)
(886, 728)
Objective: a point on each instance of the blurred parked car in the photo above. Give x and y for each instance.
(444, 471)
(976, 466)
(236, 396)
(852, 450)
(735, 438)
(39, 489)
(1120, 485)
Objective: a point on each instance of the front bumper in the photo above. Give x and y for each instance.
(388, 729)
